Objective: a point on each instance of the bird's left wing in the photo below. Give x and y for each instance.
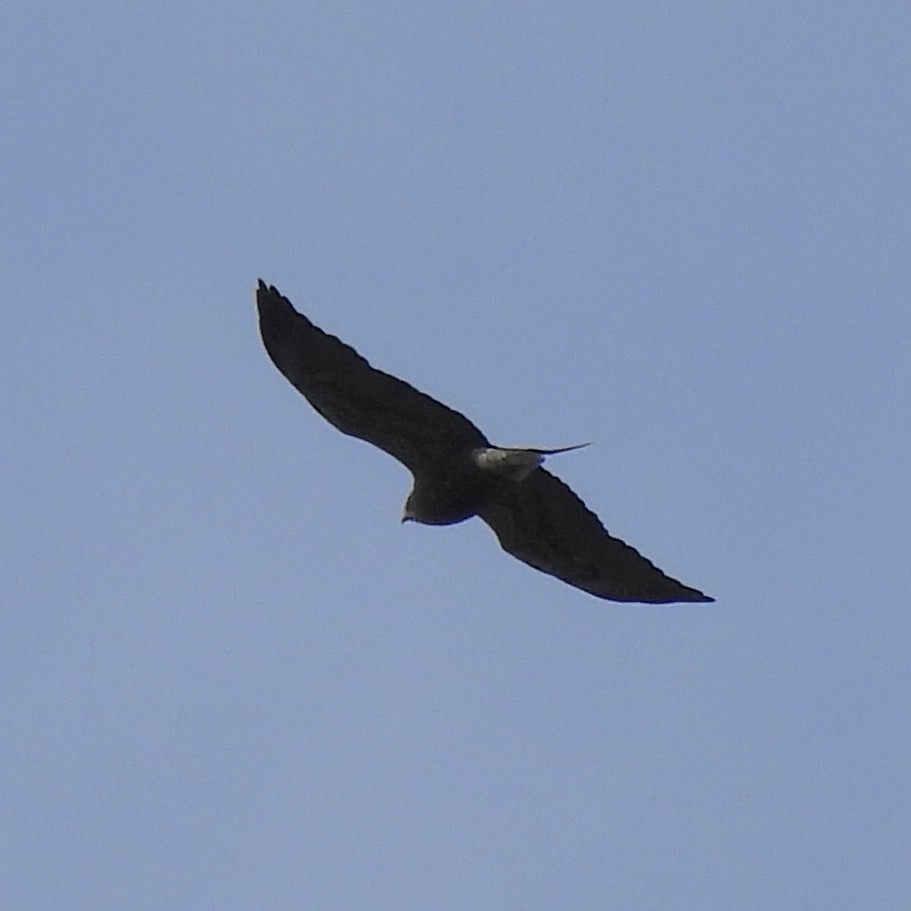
(358, 399)
(543, 523)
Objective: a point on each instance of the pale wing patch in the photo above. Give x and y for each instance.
(515, 464)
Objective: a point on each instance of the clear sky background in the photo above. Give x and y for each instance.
(231, 679)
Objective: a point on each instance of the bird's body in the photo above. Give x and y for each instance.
(457, 472)
(459, 487)
(450, 492)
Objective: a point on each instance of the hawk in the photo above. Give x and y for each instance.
(457, 472)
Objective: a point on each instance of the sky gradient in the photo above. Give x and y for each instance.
(231, 679)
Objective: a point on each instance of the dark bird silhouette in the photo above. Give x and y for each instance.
(457, 472)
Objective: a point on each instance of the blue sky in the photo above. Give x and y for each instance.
(231, 679)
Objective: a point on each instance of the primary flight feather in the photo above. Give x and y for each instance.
(457, 472)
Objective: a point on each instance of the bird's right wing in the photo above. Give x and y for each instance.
(358, 399)
(543, 523)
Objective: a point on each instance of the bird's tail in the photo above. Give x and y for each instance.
(549, 452)
(515, 462)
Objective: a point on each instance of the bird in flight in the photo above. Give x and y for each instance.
(457, 472)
